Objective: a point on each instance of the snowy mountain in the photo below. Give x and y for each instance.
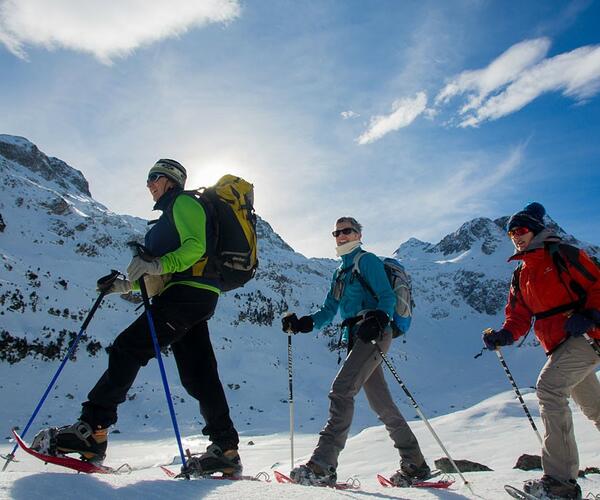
(56, 240)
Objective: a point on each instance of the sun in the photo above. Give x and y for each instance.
(206, 172)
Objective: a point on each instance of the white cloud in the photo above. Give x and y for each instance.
(503, 70)
(575, 73)
(349, 114)
(405, 111)
(105, 29)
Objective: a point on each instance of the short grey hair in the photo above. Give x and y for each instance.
(353, 222)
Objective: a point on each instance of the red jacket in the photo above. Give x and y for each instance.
(541, 288)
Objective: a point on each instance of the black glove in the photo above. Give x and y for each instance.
(372, 324)
(290, 323)
(580, 323)
(494, 338)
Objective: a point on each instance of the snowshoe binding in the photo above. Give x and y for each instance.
(76, 438)
(408, 474)
(548, 488)
(312, 474)
(214, 460)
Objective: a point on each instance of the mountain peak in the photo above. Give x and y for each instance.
(21, 151)
(479, 230)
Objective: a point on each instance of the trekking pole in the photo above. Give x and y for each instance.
(290, 392)
(516, 388)
(592, 343)
(518, 393)
(138, 250)
(291, 400)
(421, 415)
(103, 284)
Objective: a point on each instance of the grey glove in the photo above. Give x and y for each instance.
(119, 285)
(138, 267)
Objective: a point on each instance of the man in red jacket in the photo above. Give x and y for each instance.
(558, 286)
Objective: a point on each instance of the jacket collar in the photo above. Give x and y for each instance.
(348, 259)
(539, 242)
(167, 198)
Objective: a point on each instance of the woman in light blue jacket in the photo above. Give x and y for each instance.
(366, 316)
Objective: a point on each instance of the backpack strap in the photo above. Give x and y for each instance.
(561, 254)
(357, 274)
(338, 282)
(515, 285)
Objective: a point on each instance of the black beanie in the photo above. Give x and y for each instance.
(531, 217)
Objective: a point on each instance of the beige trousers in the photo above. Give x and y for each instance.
(570, 371)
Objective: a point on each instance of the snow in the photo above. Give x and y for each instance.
(494, 432)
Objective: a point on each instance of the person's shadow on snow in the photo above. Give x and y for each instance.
(77, 486)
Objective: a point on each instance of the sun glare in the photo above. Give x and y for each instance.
(207, 172)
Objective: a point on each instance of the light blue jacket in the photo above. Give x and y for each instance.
(355, 297)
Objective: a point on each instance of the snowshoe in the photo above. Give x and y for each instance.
(76, 438)
(552, 489)
(409, 474)
(212, 461)
(311, 474)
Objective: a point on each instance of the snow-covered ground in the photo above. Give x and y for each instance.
(494, 432)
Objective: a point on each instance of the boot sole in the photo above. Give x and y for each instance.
(87, 456)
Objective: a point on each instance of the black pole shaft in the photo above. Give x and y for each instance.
(291, 400)
(518, 393)
(421, 414)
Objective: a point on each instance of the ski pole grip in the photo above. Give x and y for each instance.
(135, 247)
(106, 282)
(287, 315)
(139, 250)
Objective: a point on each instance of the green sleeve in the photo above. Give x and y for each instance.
(190, 222)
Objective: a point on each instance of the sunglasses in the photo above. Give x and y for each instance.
(346, 230)
(518, 231)
(154, 177)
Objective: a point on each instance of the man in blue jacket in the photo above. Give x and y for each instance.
(366, 328)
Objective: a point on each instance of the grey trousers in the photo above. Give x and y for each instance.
(569, 371)
(362, 369)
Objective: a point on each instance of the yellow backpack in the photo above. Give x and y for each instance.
(232, 255)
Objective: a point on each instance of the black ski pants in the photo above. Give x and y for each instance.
(180, 317)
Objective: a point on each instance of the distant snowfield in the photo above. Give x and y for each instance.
(494, 432)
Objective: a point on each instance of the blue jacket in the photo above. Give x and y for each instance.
(355, 297)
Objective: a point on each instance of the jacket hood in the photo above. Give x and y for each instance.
(538, 241)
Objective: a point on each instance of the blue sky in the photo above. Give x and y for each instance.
(412, 116)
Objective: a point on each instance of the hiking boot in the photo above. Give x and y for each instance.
(312, 474)
(409, 474)
(76, 438)
(213, 460)
(552, 489)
